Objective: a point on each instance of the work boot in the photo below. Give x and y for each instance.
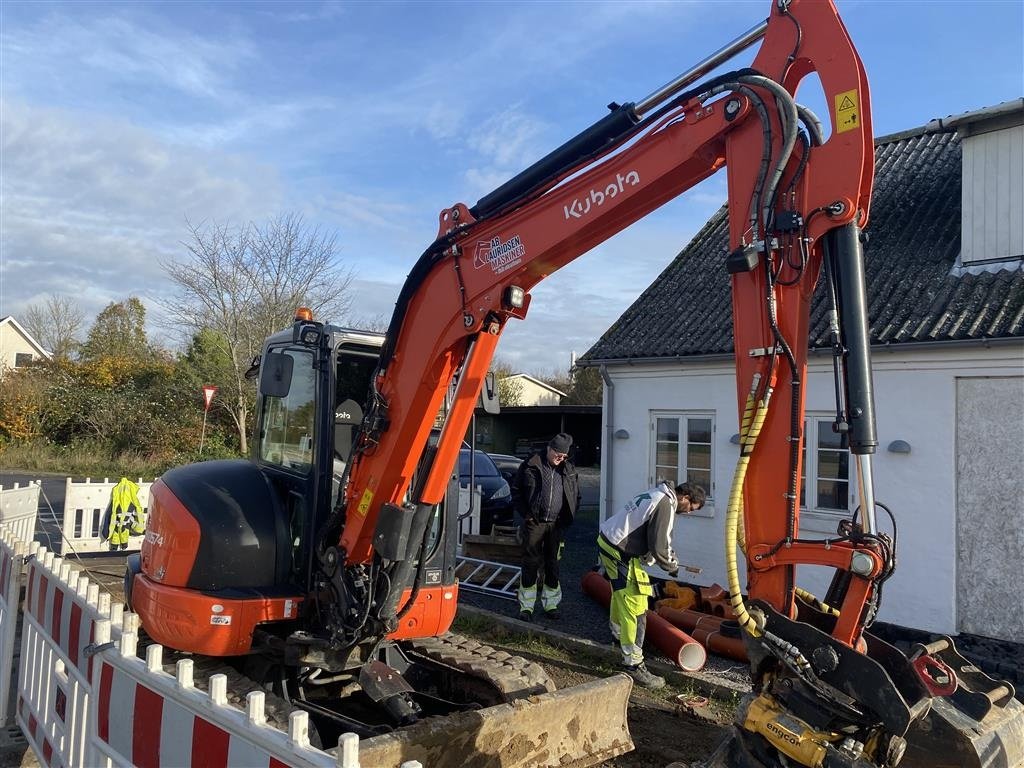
(526, 616)
(644, 677)
(552, 614)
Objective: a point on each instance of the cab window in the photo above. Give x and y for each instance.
(287, 436)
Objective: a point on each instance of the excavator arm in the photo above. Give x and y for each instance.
(478, 273)
(826, 692)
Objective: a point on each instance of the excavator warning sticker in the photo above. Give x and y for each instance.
(364, 503)
(847, 111)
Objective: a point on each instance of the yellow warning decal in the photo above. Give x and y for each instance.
(364, 503)
(847, 111)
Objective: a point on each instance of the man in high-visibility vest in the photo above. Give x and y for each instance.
(641, 534)
(125, 514)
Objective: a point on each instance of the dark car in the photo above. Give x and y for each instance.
(495, 494)
(507, 465)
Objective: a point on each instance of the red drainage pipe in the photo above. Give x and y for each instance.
(706, 630)
(688, 620)
(686, 652)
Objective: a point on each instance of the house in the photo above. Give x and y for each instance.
(526, 390)
(17, 347)
(946, 309)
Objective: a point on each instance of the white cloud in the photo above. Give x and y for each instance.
(90, 204)
(120, 49)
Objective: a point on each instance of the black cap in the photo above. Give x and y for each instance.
(560, 443)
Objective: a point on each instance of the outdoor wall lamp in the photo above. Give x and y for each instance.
(621, 434)
(735, 439)
(899, 446)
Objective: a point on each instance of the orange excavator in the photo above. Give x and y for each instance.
(324, 568)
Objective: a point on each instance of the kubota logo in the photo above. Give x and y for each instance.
(500, 256)
(578, 209)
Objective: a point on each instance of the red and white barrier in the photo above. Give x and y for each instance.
(148, 718)
(85, 699)
(86, 506)
(12, 559)
(19, 507)
(61, 611)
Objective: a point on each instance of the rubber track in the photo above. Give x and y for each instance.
(514, 676)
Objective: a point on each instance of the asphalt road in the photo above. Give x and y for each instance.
(51, 504)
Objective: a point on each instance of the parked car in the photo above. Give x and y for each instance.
(495, 493)
(507, 465)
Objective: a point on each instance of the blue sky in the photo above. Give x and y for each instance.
(122, 120)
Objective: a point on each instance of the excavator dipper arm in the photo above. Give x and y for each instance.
(478, 273)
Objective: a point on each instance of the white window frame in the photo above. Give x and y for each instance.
(683, 418)
(812, 516)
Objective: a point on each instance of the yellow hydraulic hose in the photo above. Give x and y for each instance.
(750, 427)
(805, 595)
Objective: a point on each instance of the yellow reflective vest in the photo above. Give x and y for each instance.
(126, 514)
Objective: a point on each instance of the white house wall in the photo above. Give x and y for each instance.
(534, 394)
(916, 399)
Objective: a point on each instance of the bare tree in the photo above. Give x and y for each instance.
(245, 283)
(55, 324)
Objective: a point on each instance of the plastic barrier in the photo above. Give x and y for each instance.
(86, 506)
(12, 559)
(19, 507)
(86, 700)
(59, 621)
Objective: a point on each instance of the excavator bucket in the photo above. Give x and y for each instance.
(571, 728)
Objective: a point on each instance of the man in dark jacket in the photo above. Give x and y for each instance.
(547, 497)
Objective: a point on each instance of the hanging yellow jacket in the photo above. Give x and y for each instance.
(126, 515)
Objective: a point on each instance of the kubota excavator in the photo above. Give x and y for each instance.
(325, 565)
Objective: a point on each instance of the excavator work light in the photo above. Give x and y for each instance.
(514, 297)
(304, 313)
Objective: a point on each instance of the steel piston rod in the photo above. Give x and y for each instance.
(720, 56)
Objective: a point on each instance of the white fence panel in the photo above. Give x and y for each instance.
(86, 506)
(59, 619)
(145, 716)
(19, 507)
(12, 559)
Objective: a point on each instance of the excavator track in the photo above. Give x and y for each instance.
(513, 676)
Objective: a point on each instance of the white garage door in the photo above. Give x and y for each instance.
(990, 506)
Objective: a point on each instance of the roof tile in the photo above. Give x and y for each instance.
(916, 290)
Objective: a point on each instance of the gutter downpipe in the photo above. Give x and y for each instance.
(606, 454)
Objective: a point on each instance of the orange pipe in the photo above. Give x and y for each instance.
(678, 646)
(688, 620)
(706, 630)
(716, 642)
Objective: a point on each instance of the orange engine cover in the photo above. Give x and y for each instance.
(187, 620)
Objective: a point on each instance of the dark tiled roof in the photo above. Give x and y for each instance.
(916, 291)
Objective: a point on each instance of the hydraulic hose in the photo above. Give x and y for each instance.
(803, 594)
(750, 427)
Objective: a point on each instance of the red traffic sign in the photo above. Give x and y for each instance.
(208, 392)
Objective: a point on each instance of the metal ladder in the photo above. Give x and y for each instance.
(487, 577)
